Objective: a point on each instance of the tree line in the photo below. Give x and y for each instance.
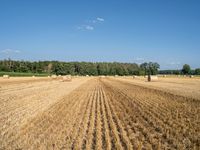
(89, 68)
(186, 70)
(77, 68)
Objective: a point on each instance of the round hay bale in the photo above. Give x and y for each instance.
(66, 78)
(54, 77)
(164, 76)
(134, 77)
(59, 77)
(191, 76)
(33, 76)
(152, 78)
(6, 76)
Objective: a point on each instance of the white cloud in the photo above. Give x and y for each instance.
(9, 51)
(88, 27)
(97, 20)
(139, 59)
(85, 27)
(174, 63)
(90, 24)
(100, 19)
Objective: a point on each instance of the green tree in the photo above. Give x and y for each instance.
(144, 67)
(103, 69)
(153, 68)
(197, 71)
(74, 68)
(177, 72)
(150, 68)
(186, 69)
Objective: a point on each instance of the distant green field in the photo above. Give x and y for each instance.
(20, 74)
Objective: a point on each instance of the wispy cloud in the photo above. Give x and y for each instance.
(100, 19)
(90, 24)
(9, 51)
(85, 27)
(96, 20)
(139, 59)
(174, 63)
(88, 27)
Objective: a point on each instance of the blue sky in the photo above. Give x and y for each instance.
(165, 31)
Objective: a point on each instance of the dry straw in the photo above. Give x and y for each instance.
(135, 77)
(152, 78)
(67, 78)
(54, 76)
(6, 76)
(164, 76)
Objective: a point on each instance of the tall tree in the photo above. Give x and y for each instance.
(153, 68)
(150, 68)
(144, 66)
(186, 69)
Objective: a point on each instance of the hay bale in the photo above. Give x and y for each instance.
(152, 78)
(67, 78)
(6, 76)
(116, 75)
(164, 76)
(33, 76)
(76, 76)
(53, 76)
(134, 77)
(59, 77)
(87, 75)
(191, 76)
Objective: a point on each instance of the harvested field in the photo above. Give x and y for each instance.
(96, 113)
(19, 80)
(188, 87)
